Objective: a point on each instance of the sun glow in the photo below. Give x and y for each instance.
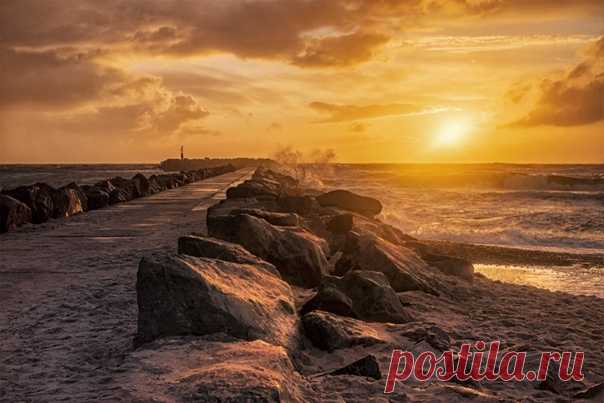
(452, 132)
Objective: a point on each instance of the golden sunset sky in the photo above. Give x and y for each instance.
(373, 80)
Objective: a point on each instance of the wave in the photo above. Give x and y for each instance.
(506, 181)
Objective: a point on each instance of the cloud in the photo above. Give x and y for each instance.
(52, 78)
(344, 113)
(573, 99)
(343, 50)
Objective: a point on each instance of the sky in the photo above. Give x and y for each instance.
(356, 80)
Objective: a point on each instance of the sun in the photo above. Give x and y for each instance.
(452, 132)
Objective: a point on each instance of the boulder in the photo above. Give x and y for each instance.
(66, 202)
(329, 299)
(38, 198)
(285, 180)
(185, 295)
(155, 185)
(366, 366)
(200, 246)
(213, 371)
(125, 187)
(119, 196)
(281, 219)
(330, 332)
(13, 213)
(364, 295)
(142, 186)
(296, 253)
(167, 181)
(452, 266)
(80, 194)
(350, 201)
(302, 205)
(403, 267)
(97, 197)
(262, 188)
(340, 224)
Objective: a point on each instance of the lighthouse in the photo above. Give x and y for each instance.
(182, 153)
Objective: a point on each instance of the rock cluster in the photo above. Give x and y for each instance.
(41, 202)
(291, 271)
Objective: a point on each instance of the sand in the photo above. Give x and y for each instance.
(67, 290)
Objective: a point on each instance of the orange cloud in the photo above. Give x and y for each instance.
(577, 98)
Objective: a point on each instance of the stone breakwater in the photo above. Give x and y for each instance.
(41, 202)
(295, 295)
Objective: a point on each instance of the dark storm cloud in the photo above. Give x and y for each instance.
(574, 99)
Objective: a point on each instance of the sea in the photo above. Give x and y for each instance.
(558, 208)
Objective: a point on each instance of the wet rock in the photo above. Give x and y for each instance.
(142, 186)
(285, 180)
(198, 370)
(341, 224)
(281, 219)
(303, 205)
(185, 295)
(38, 198)
(13, 213)
(366, 366)
(80, 194)
(433, 335)
(450, 265)
(296, 253)
(201, 246)
(167, 181)
(263, 188)
(329, 299)
(350, 201)
(66, 202)
(373, 298)
(403, 267)
(330, 332)
(126, 189)
(97, 197)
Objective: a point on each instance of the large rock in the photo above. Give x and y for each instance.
(281, 219)
(154, 185)
(66, 202)
(340, 224)
(366, 366)
(142, 186)
(302, 205)
(261, 188)
(216, 371)
(330, 332)
(38, 198)
(350, 201)
(403, 267)
(364, 295)
(98, 197)
(200, 246)
(80, 194)
(185, 295)
(126, 189)
(167, 181)
(13, 213)
(298, 255)
(285, 180)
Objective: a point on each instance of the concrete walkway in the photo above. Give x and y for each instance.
(67, 291)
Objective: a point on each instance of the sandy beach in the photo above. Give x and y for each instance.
(68, 313)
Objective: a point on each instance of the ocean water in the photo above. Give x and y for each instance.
(545, 207)
(56, 175)
(557, 208)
